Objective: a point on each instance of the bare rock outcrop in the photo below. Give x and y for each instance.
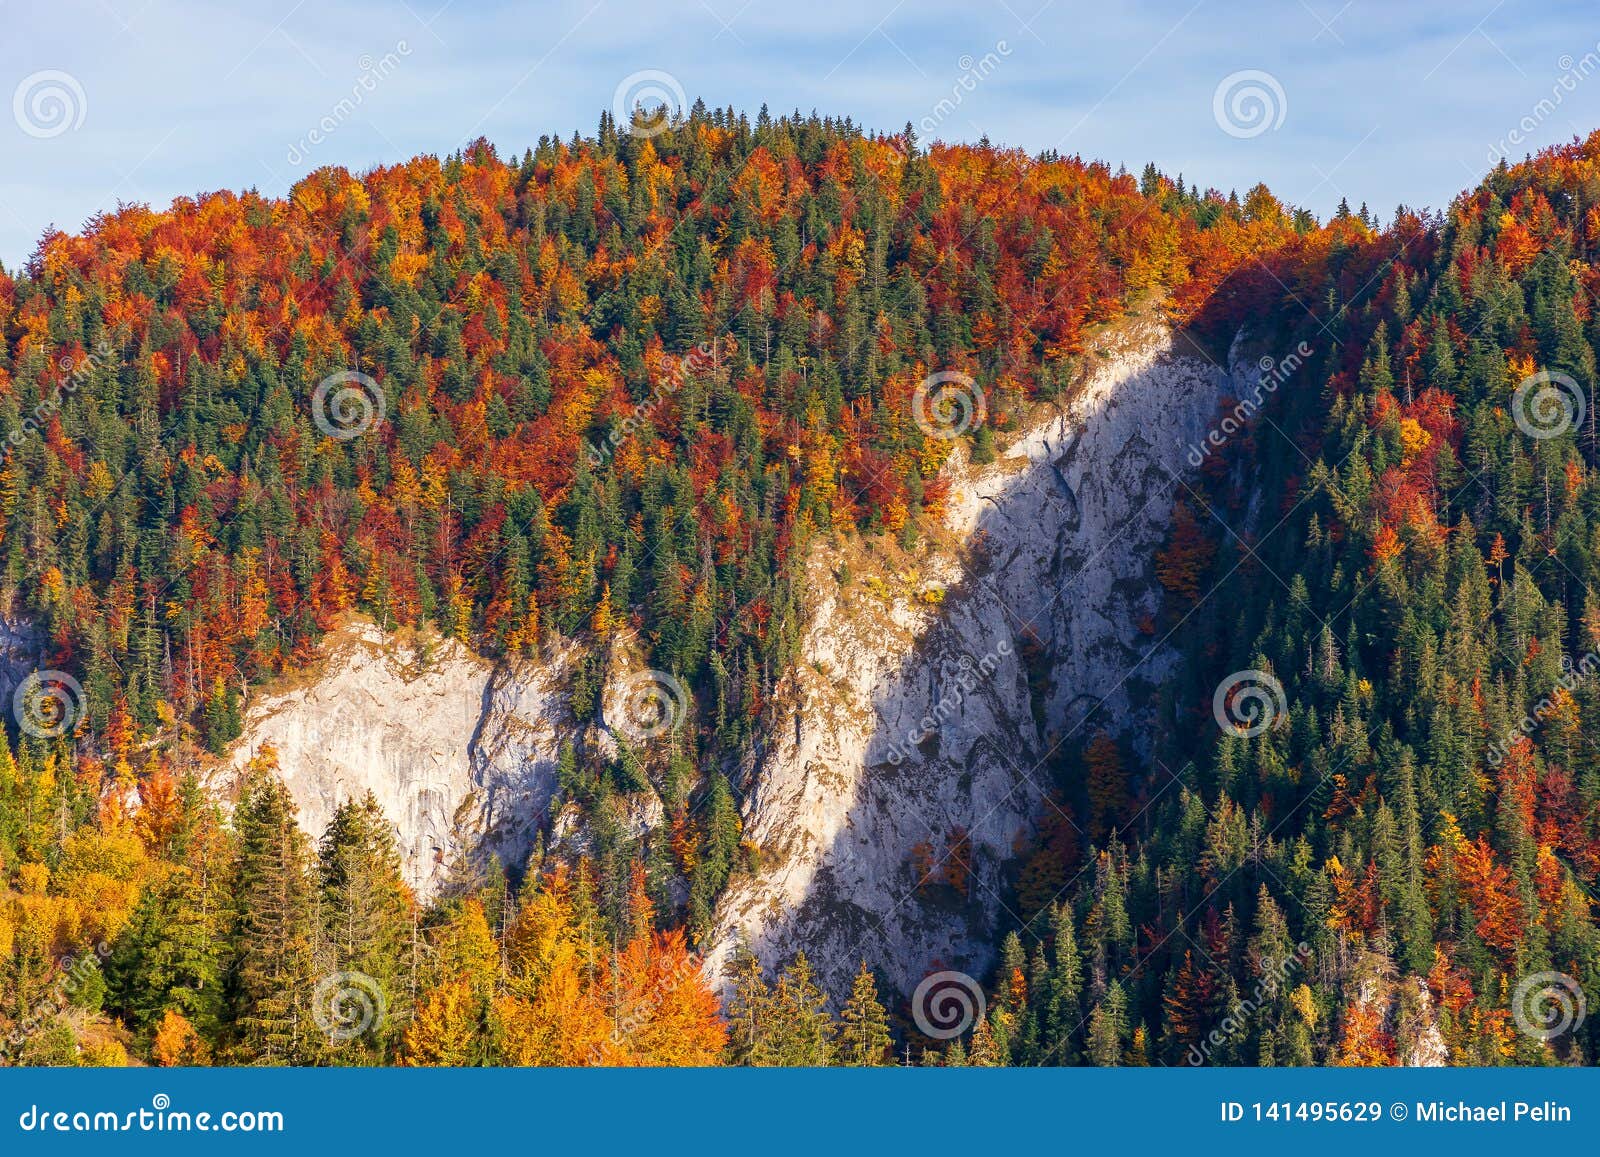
(916, 726)
(443, 738)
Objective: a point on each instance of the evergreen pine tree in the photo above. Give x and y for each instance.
(864, 1025)
(271, 977)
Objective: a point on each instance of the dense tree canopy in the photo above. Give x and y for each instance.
(624, 382)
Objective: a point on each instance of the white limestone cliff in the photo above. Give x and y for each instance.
(426, 726)
(906, 723)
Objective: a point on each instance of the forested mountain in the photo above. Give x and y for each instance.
(1386, 588)
(622, 385)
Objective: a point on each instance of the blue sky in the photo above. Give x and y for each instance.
(1385, 101)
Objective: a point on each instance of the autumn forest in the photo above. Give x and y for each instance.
(622, 385)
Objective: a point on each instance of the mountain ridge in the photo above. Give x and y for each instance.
(620, 392)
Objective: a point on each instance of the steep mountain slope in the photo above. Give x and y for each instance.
(909, 743)
(1378, 844)
(668, 467)
(614, 391)
(912, 718)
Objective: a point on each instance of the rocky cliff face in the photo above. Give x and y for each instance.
(930, 689)
(444, 739)
(915, 728)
